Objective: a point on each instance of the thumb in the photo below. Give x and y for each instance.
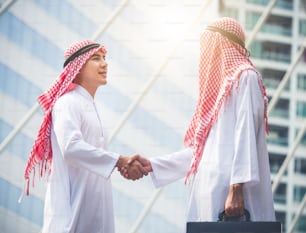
(133, 158)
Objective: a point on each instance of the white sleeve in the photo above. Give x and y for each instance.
(75, 150)
(249, 120)
(171, 167)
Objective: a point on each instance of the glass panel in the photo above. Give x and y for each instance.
(300, 166)
(278, 25)
(31, 208)
(271, 51)
(24, 36)
(302, 27)
(14, 85)
(301, 82)
(299, 193)
(301, 225)
(281, 109)
(280, 194)
(281, 217)
(301, 109)
(284, 4)
(251, 20)
(272, 78)
(278, 135)
(230, 12)
(276, 161)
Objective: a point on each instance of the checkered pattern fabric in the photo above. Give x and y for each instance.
(221, 64)
(41, 153)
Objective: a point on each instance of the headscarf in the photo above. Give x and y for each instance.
(75, 56)
(223, 57)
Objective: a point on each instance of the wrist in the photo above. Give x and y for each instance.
(119, 163)
(236, 188)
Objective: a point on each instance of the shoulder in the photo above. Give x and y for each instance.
(67, 101)
(250, 77)
(249, 73)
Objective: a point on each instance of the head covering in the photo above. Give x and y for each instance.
(222, 59)
(76, 56)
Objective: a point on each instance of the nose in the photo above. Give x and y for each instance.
(103, 63)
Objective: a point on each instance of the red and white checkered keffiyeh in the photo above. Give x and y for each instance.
(41, 153)
(221, 64)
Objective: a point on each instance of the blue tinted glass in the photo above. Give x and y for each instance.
(27, 38)
(31, 208)
(68, 15)
(20, 145)
(17, 87)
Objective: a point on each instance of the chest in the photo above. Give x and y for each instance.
(91, 124)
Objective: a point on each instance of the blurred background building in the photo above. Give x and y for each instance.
(153, 50)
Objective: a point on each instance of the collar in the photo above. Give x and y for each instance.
(82, 91)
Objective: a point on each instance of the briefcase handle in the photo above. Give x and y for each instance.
(223, 218)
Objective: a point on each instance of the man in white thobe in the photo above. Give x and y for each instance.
(71, 147)
(235, 153)
(226, 158)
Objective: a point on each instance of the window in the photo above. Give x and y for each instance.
(298, 193)
(281, 217)
(280, 194)
(278, 135)
(272, 78)
(276, 161)
(284, 4)
(230, 12)
(302, 27)
(281, 109)
(251, 20)
(271, 51)
(300, 166)
(301, 225)
(301, 82)
(301, 109)
(278, 25)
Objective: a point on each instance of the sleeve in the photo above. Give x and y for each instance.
(171, 167)
(66, 120)
(249, 120)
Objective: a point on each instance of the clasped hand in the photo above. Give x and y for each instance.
(133, 167)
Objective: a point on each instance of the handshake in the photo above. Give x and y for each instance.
(133, 167)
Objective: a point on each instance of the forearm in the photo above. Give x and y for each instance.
(171, 167)
(234, 204)
(84, 155)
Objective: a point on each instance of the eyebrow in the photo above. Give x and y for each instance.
(98, 55)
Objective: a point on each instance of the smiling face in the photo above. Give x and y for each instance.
(93, 74)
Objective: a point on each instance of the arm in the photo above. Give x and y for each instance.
(250, 114)
(74, 147)
(170, 168)
(164, 169)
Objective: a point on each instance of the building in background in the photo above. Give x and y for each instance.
(274, 49)
(153, 65)
(148, 42)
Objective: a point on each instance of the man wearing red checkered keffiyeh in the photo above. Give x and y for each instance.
(70, 148)
(226, 158)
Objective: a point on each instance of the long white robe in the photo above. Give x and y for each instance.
(235, 152)
(79, 192)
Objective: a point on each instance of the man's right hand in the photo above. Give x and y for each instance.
(133, 167)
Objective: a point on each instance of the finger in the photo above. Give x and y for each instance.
(133, 158)
(142, 169)
(134, 173)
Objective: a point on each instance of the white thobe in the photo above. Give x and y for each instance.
(235, 152)
(79, 192)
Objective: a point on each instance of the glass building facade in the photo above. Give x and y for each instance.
(141, 42)
(274, 48)
(147, 40)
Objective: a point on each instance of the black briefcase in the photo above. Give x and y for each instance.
(227, 225)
